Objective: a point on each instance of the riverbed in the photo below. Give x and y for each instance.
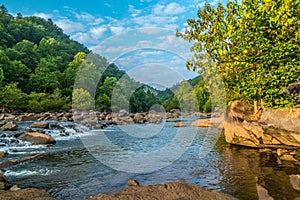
(75, 168)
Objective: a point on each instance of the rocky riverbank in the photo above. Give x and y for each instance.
(92, 119)
(276, 131)
(167, 191)
(9, 191)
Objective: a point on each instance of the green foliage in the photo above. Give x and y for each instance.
(13, 98)
(82, 100)
(254, 44)
(41, 102)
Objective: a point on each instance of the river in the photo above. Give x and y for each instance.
(70, 170)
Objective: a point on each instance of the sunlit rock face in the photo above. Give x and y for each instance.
(271, 129)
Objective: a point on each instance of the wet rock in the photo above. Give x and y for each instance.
(9, 126)
(173, 120)
(133, 183)
(2, 154)
(43, 125)
(27, 129)
(168, 191)
(37, 138)
(208, 122)
(56, 126)
(8, 163)
(4, 184)
(31, 157)
(180, 124)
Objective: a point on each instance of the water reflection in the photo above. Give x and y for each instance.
(260, 174)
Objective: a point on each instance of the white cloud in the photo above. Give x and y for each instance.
(117, 29)
(170, 9)
(134, 12)
(98, 32)
(158, 9)
(70, 26)
(84, 16)
(142, 1)
(174, 9)
(43, 15)
(84, 38)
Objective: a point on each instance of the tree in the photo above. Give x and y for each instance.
(13, 98)
(82, 100)
(103, 103)
(254, 45)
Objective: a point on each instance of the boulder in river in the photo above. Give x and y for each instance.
(180, 124)
(9, 126)
(37, 138)
(2, 154)
(43, 125)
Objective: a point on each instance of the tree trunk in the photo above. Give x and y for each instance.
(255, 107)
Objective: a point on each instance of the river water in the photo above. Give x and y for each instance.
(74, 168)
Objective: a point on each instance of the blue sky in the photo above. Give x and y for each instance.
(137, 35)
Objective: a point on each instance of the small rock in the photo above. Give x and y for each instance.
(14, 188)
(28, 129)
(10, 126)
(180, 124)
(44, 125)
(133, 183)
(2, 154)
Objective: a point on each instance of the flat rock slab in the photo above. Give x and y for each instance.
(168, 191)
(26, 194)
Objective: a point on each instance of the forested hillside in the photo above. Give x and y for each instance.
(39, 64)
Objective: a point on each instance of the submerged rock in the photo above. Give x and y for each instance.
(37, 138)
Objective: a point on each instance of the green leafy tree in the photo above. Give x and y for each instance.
(103, 103)
(82, 100)
(254, 44)
(13, 98)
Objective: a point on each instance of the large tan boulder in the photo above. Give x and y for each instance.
(37, 138)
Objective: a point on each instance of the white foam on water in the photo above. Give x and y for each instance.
(27, 172)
